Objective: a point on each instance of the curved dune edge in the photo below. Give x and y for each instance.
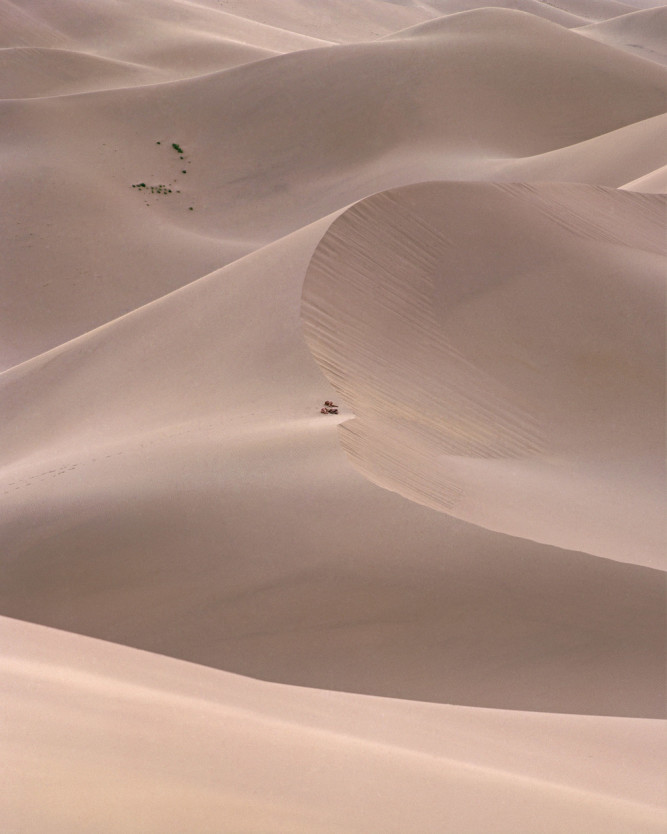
(654, 182)
(117, 738)
(641, 33)
(502, 349)
(173, 487)
(275, 144)
(168, 483)
(34, 72)
(564, 9)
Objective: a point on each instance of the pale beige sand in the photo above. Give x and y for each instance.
(278, 143)
(560, 12)
(514, 383)
(104, 738)
(631, 152)
(653, 183)
(167, 457)
(556, 14)
(169, 484)
(643, 33)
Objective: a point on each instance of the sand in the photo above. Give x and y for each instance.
(441, 609)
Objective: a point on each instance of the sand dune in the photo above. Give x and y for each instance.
(336, 20)
(653, 183)
(555, 14)
(272, 146)
(119, 738)
(24, 27)
(609, 159)
(561, 12)
(106, 28)
(180, 406)
(504, 335)
(462, 205)
(641, 33)
(32, 72)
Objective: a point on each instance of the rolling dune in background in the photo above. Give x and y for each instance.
(273, 145)
(641, 33)
(441, 610)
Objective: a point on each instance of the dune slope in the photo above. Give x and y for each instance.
(170, 429)
(116, 738)
(273, 145)
(489, 335)
(439, 609)
(641, 33)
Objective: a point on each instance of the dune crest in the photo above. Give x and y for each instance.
(560, 11)
(504, 332)
(107, 753)
(654, 182)
(167, 429)
(641, 33)
(275, 144)
(435, 608)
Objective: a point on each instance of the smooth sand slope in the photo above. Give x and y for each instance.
(643, 33)
(99, 734)
(555, 14)
(168, 483)
(560, 12)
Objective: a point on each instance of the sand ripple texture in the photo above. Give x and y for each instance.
(440, 610)
(502, 349)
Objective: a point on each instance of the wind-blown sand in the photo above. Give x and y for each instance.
(105, 734)
(441, 610)
(517, 387)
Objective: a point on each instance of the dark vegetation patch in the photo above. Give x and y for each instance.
(162, 188)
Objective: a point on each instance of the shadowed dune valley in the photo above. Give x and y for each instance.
(332, 393)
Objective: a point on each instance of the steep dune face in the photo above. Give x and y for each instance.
(272, 146)
(504, 335)
(145, 452)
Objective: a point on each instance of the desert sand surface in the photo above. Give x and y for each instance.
(183, 747)
(642, 33)
(439, 610)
